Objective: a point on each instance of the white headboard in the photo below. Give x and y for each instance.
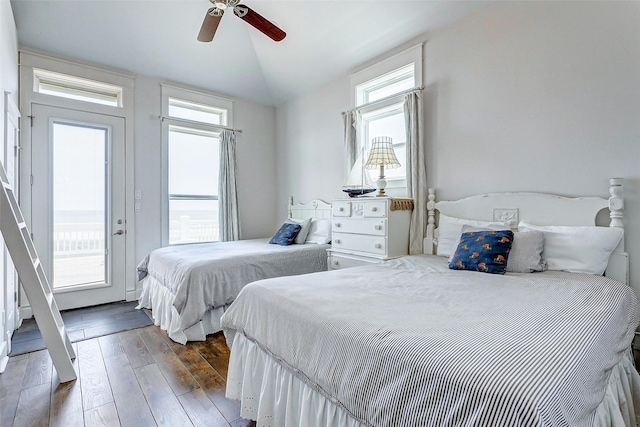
(316, 209)
(539, 209)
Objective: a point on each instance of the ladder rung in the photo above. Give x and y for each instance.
(22, 225)
(36, 262)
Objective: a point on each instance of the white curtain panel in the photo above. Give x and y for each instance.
(351, 121)
(229, 221)
(416, 169)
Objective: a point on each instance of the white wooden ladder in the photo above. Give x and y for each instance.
(34, 281)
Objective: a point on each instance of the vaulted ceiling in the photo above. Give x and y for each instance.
(325, 39)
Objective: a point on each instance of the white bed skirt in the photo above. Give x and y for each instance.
(273, 396)
(158, 298)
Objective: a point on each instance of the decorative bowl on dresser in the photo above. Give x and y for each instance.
(368, 230)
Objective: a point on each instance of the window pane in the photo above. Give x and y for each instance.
(392, 125)
(391, 89)
(386, 85)
(66, 86)
(193, 221)
(193, 163)
(79, 194)
(196, 112)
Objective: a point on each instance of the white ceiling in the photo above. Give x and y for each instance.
(325, 39)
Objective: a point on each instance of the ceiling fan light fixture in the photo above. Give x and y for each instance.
(221, 5)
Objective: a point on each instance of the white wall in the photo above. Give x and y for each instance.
(310, 146)
(256, 156)
(534, 96)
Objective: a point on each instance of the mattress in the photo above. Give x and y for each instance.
(410, 342)
(207, 276)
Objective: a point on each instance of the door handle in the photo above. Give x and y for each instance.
(119, 232)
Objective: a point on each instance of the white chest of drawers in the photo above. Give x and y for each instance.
(367, 230)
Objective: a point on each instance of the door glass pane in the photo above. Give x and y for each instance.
(193, 221)
(79, 210)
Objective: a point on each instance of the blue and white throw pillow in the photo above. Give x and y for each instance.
(286, 235)
(484, 251)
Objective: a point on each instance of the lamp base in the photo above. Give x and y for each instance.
(382, 183)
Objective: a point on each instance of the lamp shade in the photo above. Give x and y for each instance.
(382, 153)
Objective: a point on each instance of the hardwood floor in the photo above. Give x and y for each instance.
(83, 323)
(134, 378)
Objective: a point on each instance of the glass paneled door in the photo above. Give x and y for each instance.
(78, 204)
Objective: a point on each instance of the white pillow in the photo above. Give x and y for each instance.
(450, 229)
(320, 231)
(305, 225)
(583, 249)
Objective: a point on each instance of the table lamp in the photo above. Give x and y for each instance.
(382, 154)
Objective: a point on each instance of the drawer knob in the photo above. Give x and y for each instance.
(338, 241)
(378, 246)
(336, 262)
(374, 209)
(337, 225)
(378, 227)
(341, 209)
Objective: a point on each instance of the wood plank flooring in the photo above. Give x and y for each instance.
(82, 323)
(135, 378)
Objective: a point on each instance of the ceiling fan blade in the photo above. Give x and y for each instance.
(210, 24)
(259, 22)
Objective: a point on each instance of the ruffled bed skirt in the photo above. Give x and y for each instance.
(158, 298)
(273, 396)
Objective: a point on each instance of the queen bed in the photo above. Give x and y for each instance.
(416, 341)
(188, 287)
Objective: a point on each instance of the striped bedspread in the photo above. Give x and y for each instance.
(411, 343)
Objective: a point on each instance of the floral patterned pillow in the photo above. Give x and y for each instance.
(484, 251)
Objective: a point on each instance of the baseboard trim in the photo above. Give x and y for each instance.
(25, 312)
(4, 350)
(133, 295)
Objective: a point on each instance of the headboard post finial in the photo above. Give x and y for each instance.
(431, 221)
(431, 206)
(616, 202)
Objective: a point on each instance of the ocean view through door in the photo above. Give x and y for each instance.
(78, 204)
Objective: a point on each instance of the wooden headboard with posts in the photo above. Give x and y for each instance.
(316, 209)
(539, 209)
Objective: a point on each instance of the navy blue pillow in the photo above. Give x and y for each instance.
(485, 251)
(286, 235)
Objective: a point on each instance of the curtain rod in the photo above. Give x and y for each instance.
(193, 122)
(385, 99)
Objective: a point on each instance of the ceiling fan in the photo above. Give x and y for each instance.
(214, 15)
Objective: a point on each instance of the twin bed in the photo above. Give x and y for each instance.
(188, 287)
(413, 342)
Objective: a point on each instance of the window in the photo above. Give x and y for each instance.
(191, 130)
(66, 86)
(379, 96)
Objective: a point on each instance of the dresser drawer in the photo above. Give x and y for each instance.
(373, 226)
(338, 262)
(375, 209)
(341, 209)
(360, 243)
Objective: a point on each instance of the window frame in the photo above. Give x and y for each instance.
(62, 85)
(210, 101)
(384, 73)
